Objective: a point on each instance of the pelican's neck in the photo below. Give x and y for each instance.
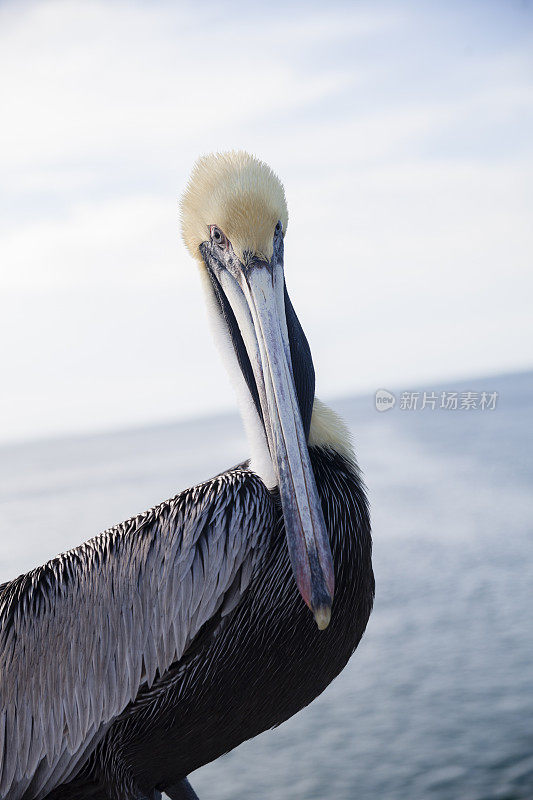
(326, 428)
(329, 430)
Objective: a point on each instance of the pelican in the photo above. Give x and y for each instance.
(166, 641)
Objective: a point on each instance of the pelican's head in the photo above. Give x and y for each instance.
(234, 218)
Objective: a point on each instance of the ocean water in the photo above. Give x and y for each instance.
(438, 700)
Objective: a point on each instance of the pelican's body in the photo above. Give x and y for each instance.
(170, 639)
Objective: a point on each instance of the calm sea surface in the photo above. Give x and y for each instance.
(438, 700)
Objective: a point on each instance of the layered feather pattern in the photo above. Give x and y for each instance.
(80, 635)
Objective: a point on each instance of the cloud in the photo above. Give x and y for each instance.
(105, 78)
(131, 241)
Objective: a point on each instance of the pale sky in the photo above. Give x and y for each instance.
(403, 133)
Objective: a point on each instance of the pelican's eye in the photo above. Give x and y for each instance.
(217, 237)
(278, 228)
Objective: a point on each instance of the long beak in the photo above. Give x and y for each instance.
(256, 294)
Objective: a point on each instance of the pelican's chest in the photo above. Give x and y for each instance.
(267, 659)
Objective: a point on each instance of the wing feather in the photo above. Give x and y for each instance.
(80, 635)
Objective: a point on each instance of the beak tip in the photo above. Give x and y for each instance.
(322, 615)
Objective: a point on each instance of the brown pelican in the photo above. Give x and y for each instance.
(171, 638)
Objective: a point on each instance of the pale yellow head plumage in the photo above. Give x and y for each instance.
(238, 193)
